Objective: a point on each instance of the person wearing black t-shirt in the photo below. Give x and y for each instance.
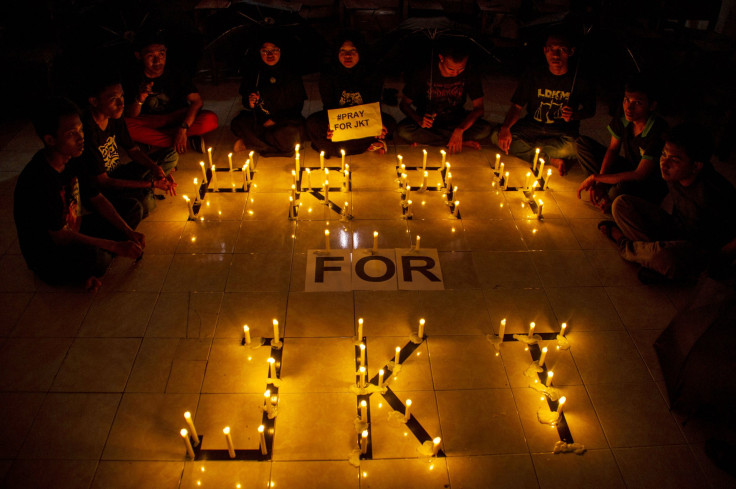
(273, 97)
(640, 133)
(556, 100)
(348, 81)
(434, 104)
(106, 133)
(61, 243)
(164, 108)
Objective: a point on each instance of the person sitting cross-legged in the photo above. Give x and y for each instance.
(59, 242)
(639, 131)
(694, 227)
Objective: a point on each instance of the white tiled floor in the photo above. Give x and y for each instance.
(93, 386)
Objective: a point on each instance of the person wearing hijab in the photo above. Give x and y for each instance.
(273, 97)
(348, 81)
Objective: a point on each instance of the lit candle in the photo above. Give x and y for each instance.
(420, 333)
(190, 205)
(419, 240)
(185, 436)
(502, 328)
(204, 172)
(271, 367)
(209, 155)
(327, 239)
(229, 440)
(541, 167)
(214, 178)
(407, 411)
(342, 159)
(563, 327)
(364, 442)
(543, 356)
(449, 179)
(539, 208)
(444, 155)
(309, 179)
(375, 241)
(345, 180)
(424, 179)
(361, 376)
(560, 404)
(424, 159)
(436, 445)
(291, 207)
(526, 181)
(196, 190)
(364, 411)
(536, 157)
(247, 171)
(546, 180)
(532, 325)
(296, 162)
(360, 329)
(362, 354)
(246, 330)
(261, 431)
(498, 161)
(245, 180)
(266, 399)
(293, 176)
(456, 210)
(326, 189)
(550, 374)
(275, 330)
(397, 356)
(381, 373)
(500, 168)
(297, 147)
(506, 180)
(192, 429)
(535, 184)
(409, 212)
(403, 180)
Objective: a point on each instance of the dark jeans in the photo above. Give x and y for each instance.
(318, 123)
(75, 263)
(527, 136)
(166, 158)
(276, 140)
(439, 134)
(590, 155)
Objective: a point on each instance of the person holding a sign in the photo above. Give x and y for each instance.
(273, 96)
(350, 82)
(434, 100)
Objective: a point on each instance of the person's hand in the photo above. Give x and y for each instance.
(145, 90)
(504, 139)
(158, 173)
(128, 249)
(253, 100)
(586, 184)
(329, 134)
(269, 123)
(180, 141)
(162, 184)
(567, 113)
(428, 121)
(172, 185)
(455, 145)
(137, 237)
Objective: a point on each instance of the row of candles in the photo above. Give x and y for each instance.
(448, 190)
(191, 437)
(374, 250)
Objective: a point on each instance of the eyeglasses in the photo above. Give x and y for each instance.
(270, 52)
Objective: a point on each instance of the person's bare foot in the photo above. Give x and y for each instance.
(610, 230)
(239, 146)
(562, 165)
(471, 144)
(92, 284)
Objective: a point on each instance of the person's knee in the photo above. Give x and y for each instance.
(208, 120)
(406, 129)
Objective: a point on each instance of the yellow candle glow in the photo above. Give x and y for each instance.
(375, 241)
(543, 356)
(407, 411)
(456, 211)
(230, 160)
(297, 158)
(266, 399)
(563, 327)
(261, 431)
(424, 159)
(185, 436)
(397, 356)
(381, 373)
(364, 442)
(271, 367)
(229, 440)
(505, 179)
(215, 187)
(276, 337)
(364, 411)
(444, 155)
(190, 206)
(362, 354)
(327, 239)
(342, 159)
(502, 328)
(204, 172)
(360, 329)
(436, 445)
(420, 333)
(541, 167)
(498, 161)
(532, 325)
(209, 155)
(424, 179)
(196, 190)
(192, 429)
(361, 375)
(540, 206)
(550, 374)
(546, 180)
(560, 404)
(536, 157)
(419, 240)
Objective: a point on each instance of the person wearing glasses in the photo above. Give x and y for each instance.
(350, 80)
(556, 98)
(273, 96)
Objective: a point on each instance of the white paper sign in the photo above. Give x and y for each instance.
(374, 271)
(419, 269)
(328, 271)
(356, 122)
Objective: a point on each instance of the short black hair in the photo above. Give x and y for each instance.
(48, 115)
(102, 78)
(695, 140)
(640, 83)
(561, 33)
(148, 37)
(455, 49)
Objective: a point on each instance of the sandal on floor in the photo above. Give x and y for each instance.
(606, 227)
(379, 146)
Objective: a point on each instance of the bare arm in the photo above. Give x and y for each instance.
(611, 154)
(504, 134)
(108, 212)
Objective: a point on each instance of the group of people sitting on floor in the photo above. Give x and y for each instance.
(77, 203)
